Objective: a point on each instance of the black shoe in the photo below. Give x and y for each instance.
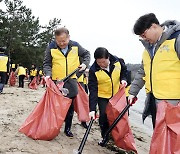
(84, 125)
(68, 133)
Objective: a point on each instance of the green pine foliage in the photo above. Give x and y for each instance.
(22, 35)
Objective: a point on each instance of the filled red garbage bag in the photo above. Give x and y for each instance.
(12, 79)
(33, 84)
(38, 80)
(166, 136)
(43, 82)
(45, 121)
(121, 133)
(81, 104)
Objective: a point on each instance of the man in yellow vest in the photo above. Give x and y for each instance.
(160, 69)
(106, 75)
(21, 72)
(4, 68)
(63, 56)
(32, 72)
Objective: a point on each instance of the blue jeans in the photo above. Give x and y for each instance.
(2, 80)
(1, 87)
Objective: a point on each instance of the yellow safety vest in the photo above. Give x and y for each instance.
(33, 72)
(3, 63)
(62, 66)
(13, 66)
(108, 86)
(82, 79)
(21, 70)
(127, 90)
(85, 80)
(40, 72)
(164, 72)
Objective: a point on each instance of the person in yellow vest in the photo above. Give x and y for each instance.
(106, 75)
(4, 68)
(160, 69)
(160, 73)
(63, 56)
(40, 74)
(13, 67)
(21, 72)
(27, 76)
(32, 72)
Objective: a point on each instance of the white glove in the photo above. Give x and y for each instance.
(82, 67)
(46, 78)
(124, 83)
(92, 114)
(64, 91)
(130, 98)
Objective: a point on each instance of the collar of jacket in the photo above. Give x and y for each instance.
(53, 45)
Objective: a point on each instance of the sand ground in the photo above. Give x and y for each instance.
(17, 103)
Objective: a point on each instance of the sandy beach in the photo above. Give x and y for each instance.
(17, 103)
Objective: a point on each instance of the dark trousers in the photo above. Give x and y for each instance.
(71, 85)
(21, 81)
(2, 80)
(69, 117)
(103, 121)
(31, 78)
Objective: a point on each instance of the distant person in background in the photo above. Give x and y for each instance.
(40, 74)
(21, 72)
(4, 68)
(32, 72)
(12, 76)
(13, 67)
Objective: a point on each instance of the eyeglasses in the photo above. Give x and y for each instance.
(143, 35)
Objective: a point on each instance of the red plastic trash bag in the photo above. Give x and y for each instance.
(81, 104)
(166, 136)
(33, 84)
(45, 121)
(121, 133)
(12, 79)
(38, 80)
(43, 82)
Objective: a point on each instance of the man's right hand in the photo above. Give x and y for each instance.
(92, 114)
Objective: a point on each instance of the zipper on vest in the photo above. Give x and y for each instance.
(66, 66)
(112, 86)
(151, 74)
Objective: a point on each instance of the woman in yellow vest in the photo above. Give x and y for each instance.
(21, 72)
(160, 69)
(63, 56)
(105, 77)
(4, 68)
